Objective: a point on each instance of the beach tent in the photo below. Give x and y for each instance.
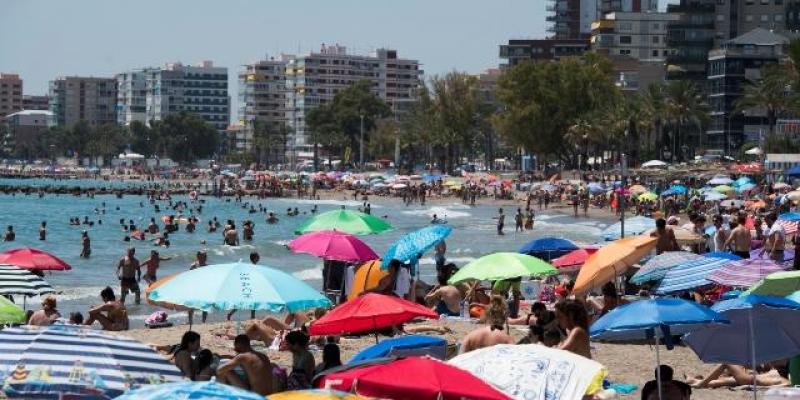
(72, 361)
(404, 346)
(367, 276)
(533, 371)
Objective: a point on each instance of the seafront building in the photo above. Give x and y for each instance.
(262, 98)
(24, 128)
(690, 37)
(32, 102)
(10, 94)
(77, 98)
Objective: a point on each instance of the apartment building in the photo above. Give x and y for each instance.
(10, 94)
(32, 102)
(77, 98)
(262, 97)
(639, 35)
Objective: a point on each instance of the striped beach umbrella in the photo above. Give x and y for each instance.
(690, 275)
(66, 361)
(745, 273)
(17, 281)
(658, 266)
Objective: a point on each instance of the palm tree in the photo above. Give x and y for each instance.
(767, 95)
(654, 109)
(684, 106)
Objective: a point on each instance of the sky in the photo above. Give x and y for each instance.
(43, 39)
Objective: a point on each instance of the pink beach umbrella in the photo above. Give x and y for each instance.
(745, 273)
(333, 245)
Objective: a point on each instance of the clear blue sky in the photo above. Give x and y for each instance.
(42, 39)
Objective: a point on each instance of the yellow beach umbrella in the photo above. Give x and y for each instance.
(611, 261)
(367, 276)
(317, 394)
(648, 196)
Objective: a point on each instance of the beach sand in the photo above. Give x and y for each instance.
(626, 363)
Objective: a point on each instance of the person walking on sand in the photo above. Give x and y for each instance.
(129, 273)
(86, 245)
(501, 218)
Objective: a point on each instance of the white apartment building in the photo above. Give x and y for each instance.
(640, 35)
(262, 96)
(131, 97)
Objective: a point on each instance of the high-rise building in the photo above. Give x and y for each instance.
(639, 35)
(690, 37)
(572, 19)
(736, 63)
(734, 18)
(90, 99)
(31, 102)
(152, 93)
(10, 94)
(314, 79)
(518, 50)
(262, 97)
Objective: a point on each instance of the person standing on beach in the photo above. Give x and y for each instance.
(43, 230)
(501, 219)
(739, 239)
(666, 237)
(129, 273)
(775, 240)
(86, 245)
(518, 218)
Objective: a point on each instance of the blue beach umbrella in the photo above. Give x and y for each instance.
(595, 188)
(762, 328)
(633, 226)
(742, 181)
(722, 254)
(690, 274)
(668, 192)
(548, 248)
(239, 286)
(714, 196)
(790, 216)
(68, 361)
(190, 390)
(679, 189)
(404, 346)
(410, 245)
(653, 320)
(745, 187)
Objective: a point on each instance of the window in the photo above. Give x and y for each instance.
(764, 18)
(625, 52)
(655, 53)
(748, 18)
(765, 2)
(656, 39)
(720, 17)
(625, 40)
(624, 26)
(778, 17)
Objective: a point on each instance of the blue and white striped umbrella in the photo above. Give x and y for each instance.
(189, 390)
(690, 275)
(410, 245)
(658, 266)
(61, 360)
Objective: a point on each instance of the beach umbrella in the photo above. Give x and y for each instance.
(794, 171)
(679, 189)
(780, 185)
(790, 227)
(636, 189)
(533, 371)
(690, 274)
(668, 193)
(502, 266)
(33, 259)
(367, 276)
(422, 378)
(611, 261)
(790, 216)
(655, 319)
(793, 195)
(239, 286)
(732, 203)
(17, 281)
(648, 196)
(723, 189)
(190, 390)
(333, 245)
(163, 304)
(762, 329)
(778, 284)
(720, 180)
(315, 394)
(412, 244)
(548, 248)
(352, 222)
(633, 226)
(742, 180)
(574, 258)
(595, 188)
(10, 313)
(654, 164)
(367, 313)
(714, 196)
(745, 273)
(655, 268)
(745, 187)
(403, 346)
(74, 361)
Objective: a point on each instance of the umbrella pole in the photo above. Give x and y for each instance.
(658, 366)
(752, 351)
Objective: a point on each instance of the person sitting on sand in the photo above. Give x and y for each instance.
(267, 329)
(572, 317)
(47, 315)
(302, 361)
(670, 388)
(493, 333)
(447, 298)
(249, 369)
(539, 315)
(204, 361)
(727, 375)
(183, 354)
(115, 317)
(609, 301)
(331, 357)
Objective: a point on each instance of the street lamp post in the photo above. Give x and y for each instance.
(361, 144)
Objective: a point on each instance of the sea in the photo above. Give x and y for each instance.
(474, 235)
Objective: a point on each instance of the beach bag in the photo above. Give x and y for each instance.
(157, 319)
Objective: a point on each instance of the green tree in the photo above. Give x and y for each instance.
(685, 108)
(105, 141)
(768, 95)
(143, 139)
(654, 109)
(185, 137)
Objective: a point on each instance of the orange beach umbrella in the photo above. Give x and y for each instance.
(367, 276)
(611, 261)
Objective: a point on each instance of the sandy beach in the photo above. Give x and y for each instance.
(626, 363)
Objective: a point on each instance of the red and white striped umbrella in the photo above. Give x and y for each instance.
(789, 226)
(745, 273)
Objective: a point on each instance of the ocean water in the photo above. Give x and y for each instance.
(473, 236)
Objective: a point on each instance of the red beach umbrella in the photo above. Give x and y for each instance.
(574, 258)
(413, 378)
(33, 259)
(369, 312)
(333, 245)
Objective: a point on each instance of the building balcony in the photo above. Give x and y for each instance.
(690, 8)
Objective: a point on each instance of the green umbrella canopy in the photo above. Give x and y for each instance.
(500, 266)
(778, 284)
(352, 222)
(10, 313)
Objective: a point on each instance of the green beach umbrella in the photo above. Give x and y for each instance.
(778, 284)
(352, 222)
(500, 266)
(10, 313)
(723, 189)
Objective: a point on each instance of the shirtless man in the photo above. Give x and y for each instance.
(739, 239)
(129, 273)
(249, 370)
(447, 298)
(666, 237)
(231, 237)
(115, 317)
(493, 333)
